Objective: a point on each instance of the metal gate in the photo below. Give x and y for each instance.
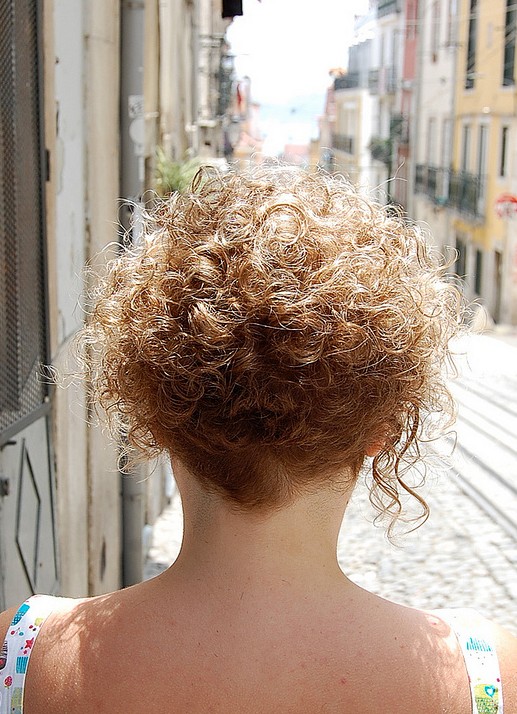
(28, 560)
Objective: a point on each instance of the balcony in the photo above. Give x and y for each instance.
(381, 149)
(467, 193)
(373, 81)
(390, 79)
(343, 143)
(457, 189)
(351, 80)
(386, 7)
(433, 181)
(421, 178)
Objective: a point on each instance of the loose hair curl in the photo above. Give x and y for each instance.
(268, 328)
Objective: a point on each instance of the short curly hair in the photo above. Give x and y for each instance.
(271, 325)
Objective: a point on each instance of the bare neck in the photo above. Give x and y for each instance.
(294, 546)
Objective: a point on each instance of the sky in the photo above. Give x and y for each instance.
(287, 48)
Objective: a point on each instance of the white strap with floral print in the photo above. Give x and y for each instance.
(476, 642)
(17, 649)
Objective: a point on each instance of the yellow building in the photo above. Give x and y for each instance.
(482, 171)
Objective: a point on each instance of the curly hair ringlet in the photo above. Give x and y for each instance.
(269, 326)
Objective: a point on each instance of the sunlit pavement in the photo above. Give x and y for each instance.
(462, 556)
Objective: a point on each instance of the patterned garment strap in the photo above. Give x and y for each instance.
(17, 649)
(476, 642)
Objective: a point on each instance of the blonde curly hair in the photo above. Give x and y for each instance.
(268, 328)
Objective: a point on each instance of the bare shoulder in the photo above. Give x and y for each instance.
(65, 655)
(6, 618)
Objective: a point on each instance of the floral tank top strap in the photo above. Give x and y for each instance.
(17, 649)
(478, 648)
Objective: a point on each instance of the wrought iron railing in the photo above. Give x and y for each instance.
(467, 193)
(341, 142)
(390, 79)
(347, 81)
(420, 178)
(457, 189)
(373, 81)
(385, 7)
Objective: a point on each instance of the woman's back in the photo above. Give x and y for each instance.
(152, 647)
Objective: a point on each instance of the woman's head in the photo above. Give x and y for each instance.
(270, 328)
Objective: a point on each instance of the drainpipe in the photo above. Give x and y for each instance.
(451, 240)
(194, 108)
(413, 148)
(132, 172)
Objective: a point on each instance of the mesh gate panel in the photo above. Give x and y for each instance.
(22, 303)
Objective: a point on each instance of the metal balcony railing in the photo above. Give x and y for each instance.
(433, 174)
(420, 178)
(373, 81)
(386, 7)
(457, 189)
(467, 193)
(390, 79)
(341, 142)
(433, 181)
(347, 81)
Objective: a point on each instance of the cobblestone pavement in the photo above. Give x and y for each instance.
(458, 558)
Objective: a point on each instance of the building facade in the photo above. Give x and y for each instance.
(433, 119)
(482, 164)
(430, 92)
(365, 100)
(356, 109)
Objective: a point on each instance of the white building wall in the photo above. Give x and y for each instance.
(434, 97)
(82, 49)
(179, 27)
(66, 208)
(357, 110)
(70, 160)
(369, 172)
(102, 49)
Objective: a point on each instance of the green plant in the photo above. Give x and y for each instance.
(172, 176)
(381, 149)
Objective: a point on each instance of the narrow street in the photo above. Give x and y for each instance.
(465, 555)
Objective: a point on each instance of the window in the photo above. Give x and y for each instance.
(465, 148)
(479, 272)
(411, 19)
(481, 166)
(446, 143)
(451, 23)
(471, 47)
(435, 30)
(445, 158)
(22, 286)
(509, 44)
(461, 257)
(482, 146)
(505, 130)
(431, 142)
